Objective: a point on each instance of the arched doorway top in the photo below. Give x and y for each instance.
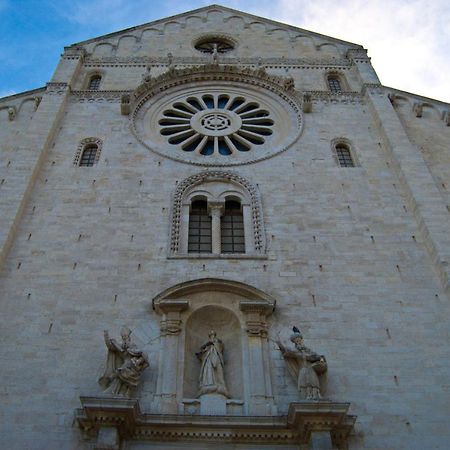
(213, 284)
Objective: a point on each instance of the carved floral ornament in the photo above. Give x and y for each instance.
(215, 115)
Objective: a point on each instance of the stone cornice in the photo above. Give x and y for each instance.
(198, 60)
(125, 416)
(97, 96)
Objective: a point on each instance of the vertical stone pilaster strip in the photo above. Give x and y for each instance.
(216, 210)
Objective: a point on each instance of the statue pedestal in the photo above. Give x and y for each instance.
(213, 405)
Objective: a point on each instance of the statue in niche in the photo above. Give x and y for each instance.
(124, 365)
(212, 380)
(304, 365)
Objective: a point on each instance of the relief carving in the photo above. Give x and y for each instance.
(124, 365)
(304, 365)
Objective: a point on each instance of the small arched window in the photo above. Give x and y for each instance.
(199, 240)
(232, 228)
(89, 155)
(344, 155)
(334, 83)
(94, 83)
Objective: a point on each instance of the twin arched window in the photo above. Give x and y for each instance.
(216, 213)
(216, 228)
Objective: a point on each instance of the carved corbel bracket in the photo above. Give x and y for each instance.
(315, 417)
(12, 112)
(307, 103)
(418, 109)
(171, 310)
(256, 313)
(125, 104)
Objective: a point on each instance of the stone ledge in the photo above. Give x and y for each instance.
(125, 416)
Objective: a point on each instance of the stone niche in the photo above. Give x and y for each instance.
(225, 323)
(238, 314)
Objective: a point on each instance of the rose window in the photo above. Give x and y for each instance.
(219, 124)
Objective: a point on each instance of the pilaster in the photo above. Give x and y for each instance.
(423, 196)
(34, 146)
(260, 388)
(166, 389)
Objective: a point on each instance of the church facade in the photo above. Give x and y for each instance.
(220, 231)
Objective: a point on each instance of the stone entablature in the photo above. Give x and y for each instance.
(114, 421)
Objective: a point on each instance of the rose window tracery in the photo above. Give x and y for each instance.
(216, 124)
(211, 45)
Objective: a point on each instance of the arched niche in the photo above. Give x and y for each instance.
(226, 324)
(238, 313)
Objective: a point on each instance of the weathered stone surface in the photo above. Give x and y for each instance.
(357, 257)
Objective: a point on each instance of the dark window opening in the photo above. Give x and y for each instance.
(344, 156)
(232, 228)
(199, 240)
(89, 155)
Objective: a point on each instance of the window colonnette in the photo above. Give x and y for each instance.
(218, 213)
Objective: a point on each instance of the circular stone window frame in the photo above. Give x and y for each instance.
(212, 37)
(247, 81)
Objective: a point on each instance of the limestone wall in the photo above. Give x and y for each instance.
(346, 259)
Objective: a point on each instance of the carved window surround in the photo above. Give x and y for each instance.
(238, 186)
(111, 422)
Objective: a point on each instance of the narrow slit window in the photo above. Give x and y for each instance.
(232, 228)
(88, 157)
(344, 156)
(334, 84)
(199, 240)
(94, 83)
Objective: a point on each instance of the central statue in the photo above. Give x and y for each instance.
(212, 379)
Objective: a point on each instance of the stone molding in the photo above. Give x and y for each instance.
(211, 284)
(97, 96)
(53, 88)
(217, 72)
(326, 97)
(143, 61)
(125, 416)
(217, 175)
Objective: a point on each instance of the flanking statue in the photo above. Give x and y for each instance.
(124, 365)
(212, 379)
(304, 365)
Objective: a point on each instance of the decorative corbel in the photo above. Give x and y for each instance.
(307, 103)
(418, 109)
(446, 117)
(125, 104)
(12, 112)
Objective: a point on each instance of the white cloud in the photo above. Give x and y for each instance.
(408, 42)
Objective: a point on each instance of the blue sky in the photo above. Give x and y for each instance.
(407, 40)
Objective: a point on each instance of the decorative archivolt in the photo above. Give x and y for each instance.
(186, 185)
(215, 72)
(82, 145)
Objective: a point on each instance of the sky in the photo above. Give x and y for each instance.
(408, 40)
